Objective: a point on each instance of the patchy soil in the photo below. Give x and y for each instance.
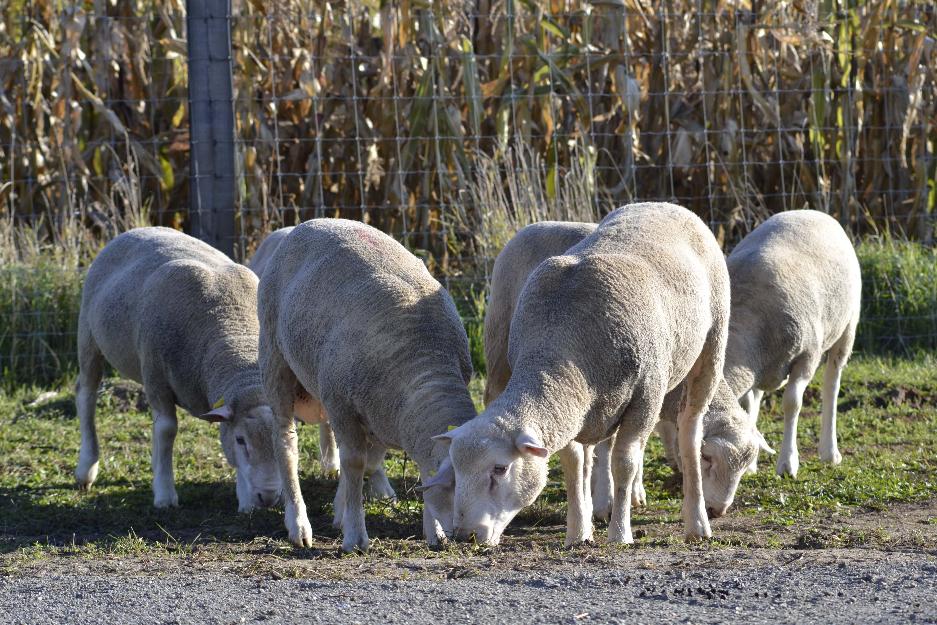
(910, 528)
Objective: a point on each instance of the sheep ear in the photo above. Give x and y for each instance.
(445, 476)
(217, 415)
(762, 443)
(449, 436)
(529, 444)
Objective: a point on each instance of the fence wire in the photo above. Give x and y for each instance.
(450, 124)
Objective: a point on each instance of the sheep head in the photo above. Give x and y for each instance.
(497, 473)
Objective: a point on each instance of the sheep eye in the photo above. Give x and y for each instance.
(499, 470)
(240, 440)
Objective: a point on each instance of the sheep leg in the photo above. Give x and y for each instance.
(328, 450)
(638, 494)
(602, 480)
(353, 458)
(164, 436)
(788, 458)
(587, 457)
(436, 529)
(378, 486)
(700, 388)
(751, 402)
(338, 504)
(667, 430)
(91, 370)
(835, 361)
(280, 387)
(578, 517)
(626, 456)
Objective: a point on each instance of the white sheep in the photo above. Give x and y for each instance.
(796, 297)
(377, 485)
(178, 316)
(352, 317)
(598, 338)
(729, 440)
(528, 248)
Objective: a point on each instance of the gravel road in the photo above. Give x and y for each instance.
(820, 586)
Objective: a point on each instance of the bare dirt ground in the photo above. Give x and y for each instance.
(870, 566)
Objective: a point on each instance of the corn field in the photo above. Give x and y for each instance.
(449, 124)
(396, 113)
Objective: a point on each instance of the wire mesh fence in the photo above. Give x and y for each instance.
(450, 124)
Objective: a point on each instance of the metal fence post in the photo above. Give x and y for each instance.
(211, 123)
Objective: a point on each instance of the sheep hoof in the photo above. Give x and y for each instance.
(584, 539)
(300, 531)
(620, 538)
(639, 497)
(355, 543)
(86, 475)
(697, 525)
(602, 511)
(832, 457)
(166, 500)
(788, 466)
(377, 488)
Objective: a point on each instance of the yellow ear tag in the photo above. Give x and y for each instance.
(451, 427)
(218, 404)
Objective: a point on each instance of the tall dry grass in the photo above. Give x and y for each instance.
(389, 112)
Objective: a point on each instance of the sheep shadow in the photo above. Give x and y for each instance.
(57, 515)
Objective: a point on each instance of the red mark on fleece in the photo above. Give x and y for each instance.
(367, 236)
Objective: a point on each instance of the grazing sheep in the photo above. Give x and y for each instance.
(729, 441)
(527, 249)
(796, 295)
(730, 444)
(352, 317)
(377, 485)
(179, 317)
(264, 252)
(598, 338)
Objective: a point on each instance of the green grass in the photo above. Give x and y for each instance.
(39, 299)
(39, 303)
(888, 417)
(899, 297)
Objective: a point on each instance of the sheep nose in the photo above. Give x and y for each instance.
(461, 534)
(714, 513)
(268, 498)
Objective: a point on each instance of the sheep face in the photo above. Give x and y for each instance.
(726, 456)
(497, 473)
(247, 441)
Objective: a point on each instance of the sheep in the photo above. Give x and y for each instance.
(527, 249)
(178, 316)
(796, 298)
(353, 318)
(377, 485)
(264, 252)
(729, 441)
(599, 336)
